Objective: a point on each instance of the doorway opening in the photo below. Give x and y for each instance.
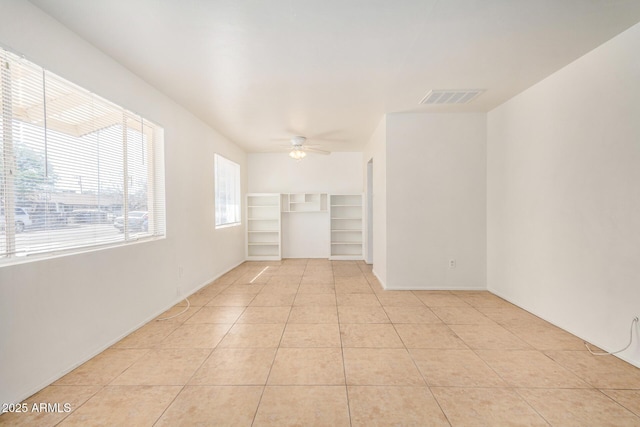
(369, 252)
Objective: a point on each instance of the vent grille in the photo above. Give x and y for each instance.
(441, 97)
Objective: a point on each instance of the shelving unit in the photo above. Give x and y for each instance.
(304, 202)
(347, 242)
(268, 213)
(263, 227)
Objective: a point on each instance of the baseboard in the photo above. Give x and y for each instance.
(207, 282)
(412, 288)
(94, 353)
(504, 297)
(306, 257)
(382, 283)
(456, 288)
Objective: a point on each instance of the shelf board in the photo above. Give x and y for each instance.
(263, 258)
(343, 257)
(264, 244)
(346, 230)
(263, 231)
(347, 243)
(262, 206)
(263, 219)
(359, 219)
(346, 206)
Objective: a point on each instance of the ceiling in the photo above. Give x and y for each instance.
(262, 70)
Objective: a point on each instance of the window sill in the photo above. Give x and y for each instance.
(234, 224)
(36, 257)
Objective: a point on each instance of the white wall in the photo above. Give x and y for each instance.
(564, 196)
(376, 151)
(305, 234)
(57, 313)
(277, 173)
(436, 211)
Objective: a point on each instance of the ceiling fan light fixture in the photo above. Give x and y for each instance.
(297, 154)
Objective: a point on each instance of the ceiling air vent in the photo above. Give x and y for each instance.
(442, 97)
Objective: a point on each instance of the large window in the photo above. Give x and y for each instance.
(76, 171)
(227, 182)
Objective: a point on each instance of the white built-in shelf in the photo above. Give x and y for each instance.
(263, 227)
(346, 215)
(264, 216)
(304, 202)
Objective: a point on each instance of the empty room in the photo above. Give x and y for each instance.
(331, 213)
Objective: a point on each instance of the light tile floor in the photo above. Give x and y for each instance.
(315, 342)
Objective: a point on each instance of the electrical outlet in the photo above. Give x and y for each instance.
(452, 263)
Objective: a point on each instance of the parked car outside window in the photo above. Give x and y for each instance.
(88, 216)
(138, 221)
(22, 219)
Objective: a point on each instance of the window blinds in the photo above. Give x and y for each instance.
(76, 171)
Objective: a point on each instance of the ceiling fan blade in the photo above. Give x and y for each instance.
(329, 136)
(316, 151)
(274, 149)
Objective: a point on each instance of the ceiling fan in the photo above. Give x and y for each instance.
(299, 148)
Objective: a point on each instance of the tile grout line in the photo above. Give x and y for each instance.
(184, 386)
(344, 364)
(266, 381)
(426, 383)
(102, 387)
(619, 404)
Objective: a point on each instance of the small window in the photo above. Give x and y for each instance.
(227, 198)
